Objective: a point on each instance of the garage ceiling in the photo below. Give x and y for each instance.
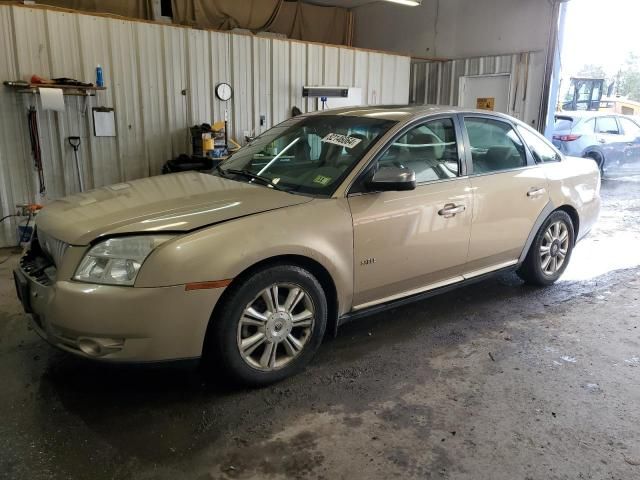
(342, 3)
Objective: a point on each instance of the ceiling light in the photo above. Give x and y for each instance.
(409, 3)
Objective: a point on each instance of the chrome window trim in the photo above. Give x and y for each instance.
(418, 185)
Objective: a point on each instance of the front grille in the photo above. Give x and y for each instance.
(52, 247)
(44, 255)
(38, 266)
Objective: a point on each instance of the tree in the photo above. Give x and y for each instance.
(628, 78)
(592, 71)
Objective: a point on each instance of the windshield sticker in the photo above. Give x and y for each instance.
(341, 140)
(322, 180)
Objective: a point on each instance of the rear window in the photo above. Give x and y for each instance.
(563, 123)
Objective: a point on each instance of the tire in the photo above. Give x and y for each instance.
(279, 341)
(550, 238)
(599, 159)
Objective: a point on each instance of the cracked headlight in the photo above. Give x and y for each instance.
(116, 261)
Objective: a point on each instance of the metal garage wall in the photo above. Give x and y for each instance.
(160, 80)
(438, 82)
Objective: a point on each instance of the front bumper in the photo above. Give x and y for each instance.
(112, 323)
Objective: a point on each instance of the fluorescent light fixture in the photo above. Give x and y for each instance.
(409, 3)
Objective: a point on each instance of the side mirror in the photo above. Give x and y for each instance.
(393, 179)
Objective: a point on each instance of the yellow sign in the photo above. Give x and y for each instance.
(488, 103)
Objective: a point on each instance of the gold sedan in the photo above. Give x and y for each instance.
(323, 218)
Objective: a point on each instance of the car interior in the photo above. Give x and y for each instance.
(430, 150)
(495, 146)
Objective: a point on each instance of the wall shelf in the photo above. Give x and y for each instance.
(74, 90)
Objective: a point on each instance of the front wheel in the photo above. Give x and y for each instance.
(270, 325)
(550, 251)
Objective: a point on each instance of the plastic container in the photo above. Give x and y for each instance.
(99, 77)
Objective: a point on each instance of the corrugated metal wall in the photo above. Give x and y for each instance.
(146, 67)
(439, 82)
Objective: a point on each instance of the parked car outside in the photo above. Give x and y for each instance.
(612, 141)
(323, 218)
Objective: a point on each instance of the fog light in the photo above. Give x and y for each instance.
(90, 347)
(96, 347)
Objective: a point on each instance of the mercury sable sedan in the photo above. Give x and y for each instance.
(323, 218)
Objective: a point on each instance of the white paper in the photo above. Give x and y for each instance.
(341, 140)
(104, 123)
(52, 99)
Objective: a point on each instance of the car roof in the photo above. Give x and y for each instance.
(580, 114)
(400, 112)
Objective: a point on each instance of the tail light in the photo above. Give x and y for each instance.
(567, 138)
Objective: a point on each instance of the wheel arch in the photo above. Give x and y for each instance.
(575, 218)
(549, 210)
(313, 266)
(591, 152)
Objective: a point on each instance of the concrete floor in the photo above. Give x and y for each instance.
(493, 381)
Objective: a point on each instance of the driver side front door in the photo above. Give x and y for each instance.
(413, 241)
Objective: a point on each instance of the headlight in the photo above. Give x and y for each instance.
(116, 261)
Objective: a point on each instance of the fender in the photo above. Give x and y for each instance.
(548, 209)
(223, 251)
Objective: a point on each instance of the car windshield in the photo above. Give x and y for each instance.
(309, 155)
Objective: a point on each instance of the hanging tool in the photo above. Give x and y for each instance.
(75, 144)
(34, 138)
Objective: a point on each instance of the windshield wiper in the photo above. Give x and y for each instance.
(246, 173)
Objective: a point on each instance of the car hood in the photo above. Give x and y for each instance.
(178, 202)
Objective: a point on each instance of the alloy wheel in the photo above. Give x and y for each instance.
(275, 326)
(554, 248)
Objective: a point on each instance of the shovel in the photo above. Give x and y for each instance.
(75, 144)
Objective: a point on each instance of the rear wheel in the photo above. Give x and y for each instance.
(550, 251)
(269, 326)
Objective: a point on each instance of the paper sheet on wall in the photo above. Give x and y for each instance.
(52, 99)
(104, 122)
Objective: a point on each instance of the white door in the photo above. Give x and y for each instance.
(487, 92)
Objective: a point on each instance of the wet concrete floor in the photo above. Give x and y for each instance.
(493, 381)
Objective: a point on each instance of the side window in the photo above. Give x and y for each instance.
(630, 127)
(430, 150)
(495, 146)
(607, 125)
(542, 152)
(587, 127)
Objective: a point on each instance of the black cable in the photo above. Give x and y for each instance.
(8, 216)
(22, 237)
(2, 220)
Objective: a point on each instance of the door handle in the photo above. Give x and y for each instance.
(602, 140)
(535, 192)
(451, 210)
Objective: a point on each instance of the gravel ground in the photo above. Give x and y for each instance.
(493, 381)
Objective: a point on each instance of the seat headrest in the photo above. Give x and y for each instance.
(502, 158)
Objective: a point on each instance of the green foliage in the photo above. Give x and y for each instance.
(628, 78)
(592, 71)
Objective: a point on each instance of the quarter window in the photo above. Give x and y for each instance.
(542, 152)
(588, 127)
(430, 150)
(607, 125)
(495, 146)
(630, 127)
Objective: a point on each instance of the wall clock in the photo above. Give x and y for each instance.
(224, 91)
